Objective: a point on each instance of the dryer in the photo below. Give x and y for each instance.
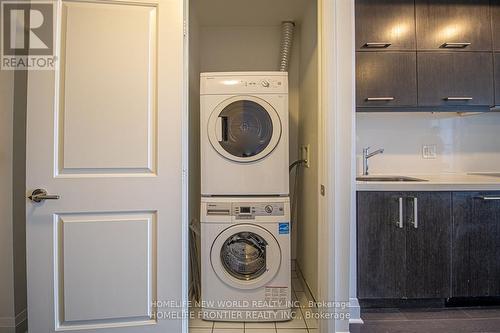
(245, 266)
(244, 133)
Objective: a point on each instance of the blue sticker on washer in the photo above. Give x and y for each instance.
(284, 228)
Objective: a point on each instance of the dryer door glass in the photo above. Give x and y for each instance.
(247, 128)
(243, 255)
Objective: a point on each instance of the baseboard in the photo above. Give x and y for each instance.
(355, 311)
(21, 317)
(22, 321)
(307, 289)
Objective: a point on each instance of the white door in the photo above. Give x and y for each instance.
(105, 134)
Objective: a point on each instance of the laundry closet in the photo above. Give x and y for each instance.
(244, 38)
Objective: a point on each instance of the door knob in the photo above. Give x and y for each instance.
(40, 194)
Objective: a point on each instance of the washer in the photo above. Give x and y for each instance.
(245, 266)
(244, 133)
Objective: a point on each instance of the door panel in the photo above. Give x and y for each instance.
(86, 261)
(476, 245)
(390, 75)
(114, 101)
(385, 21)
(453, 21)
(381, 246)
(428, 245)
(112, 245)
(444, 78)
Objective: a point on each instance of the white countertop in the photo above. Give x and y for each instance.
(436, 182)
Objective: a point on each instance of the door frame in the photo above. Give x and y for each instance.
(337, 157)
(337, 208)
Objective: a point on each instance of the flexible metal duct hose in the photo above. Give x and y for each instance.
(286, 44)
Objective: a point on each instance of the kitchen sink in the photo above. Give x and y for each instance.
(389, 179)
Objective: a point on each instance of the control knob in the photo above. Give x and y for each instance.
(265, 84)
(268, 209)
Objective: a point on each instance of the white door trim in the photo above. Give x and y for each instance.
(337, 116)
(185, 171)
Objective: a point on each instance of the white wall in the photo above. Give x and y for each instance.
(6, 200)
(307, 223)
(464, 143)
(12, 200)
(194, 117)
(19, 197)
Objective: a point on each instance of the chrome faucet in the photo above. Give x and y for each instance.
(367, 155)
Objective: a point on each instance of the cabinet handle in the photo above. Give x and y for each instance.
(486, 198)
(458, 98)
(399, 223)
(380, 99)
(415, 213)
(448, 45)
(377, 45)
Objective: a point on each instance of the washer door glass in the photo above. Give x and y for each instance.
(247, 128)
(243, 255)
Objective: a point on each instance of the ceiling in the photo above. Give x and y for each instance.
(248, 12)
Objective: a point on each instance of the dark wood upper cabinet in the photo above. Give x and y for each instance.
(386, 79)
(497, 78)
(495, 24)
(476, 244)
(445, 24)
(455, 79)
(385, 25)
(381, 246)
(428, 244)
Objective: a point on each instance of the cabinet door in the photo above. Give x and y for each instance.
(428, 244)
(381, 246)
(386, 79)
(495, 23)
(385, 24)
(476, 244)
(497, 77)
(453, 21)
(455, 79)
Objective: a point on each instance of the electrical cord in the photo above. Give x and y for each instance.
(294, 164)
(293, 207)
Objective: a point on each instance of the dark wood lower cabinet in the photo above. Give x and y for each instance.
(408, 257)
(448, 245)
(381, 246)
(476, 244)
(428, 250)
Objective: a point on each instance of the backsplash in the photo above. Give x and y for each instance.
(465, 143)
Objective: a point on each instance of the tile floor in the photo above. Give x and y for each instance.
(447, 320)
(302, 323)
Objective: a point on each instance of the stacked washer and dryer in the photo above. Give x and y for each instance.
(245, 208)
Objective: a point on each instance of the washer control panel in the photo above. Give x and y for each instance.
(251, 210)
(246, 210)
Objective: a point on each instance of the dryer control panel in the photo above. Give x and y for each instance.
(229, 83)
(246, 210)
